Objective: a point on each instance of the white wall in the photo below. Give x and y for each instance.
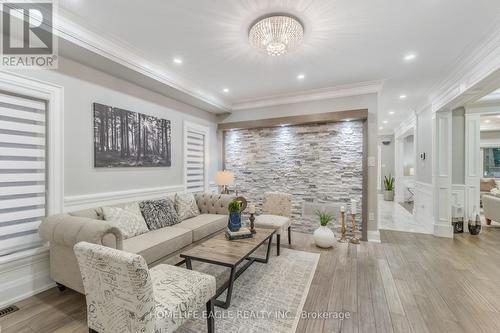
(369, 101)
(84, 86)
(424, 145)
(408, 154)
(490, 138)
(387, 153)
(458, 146)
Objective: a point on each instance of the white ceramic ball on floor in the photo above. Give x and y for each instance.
(324, 237)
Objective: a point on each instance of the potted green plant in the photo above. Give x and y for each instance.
(234, 222)
(324, 236)
(389, 188)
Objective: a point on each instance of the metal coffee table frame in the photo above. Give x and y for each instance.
(234, 274)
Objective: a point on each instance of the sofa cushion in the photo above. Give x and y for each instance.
(128, 219)
(159, 213)
(213, 203)
(204, 225)
(159, 243)
(185, 205)
(487, 184)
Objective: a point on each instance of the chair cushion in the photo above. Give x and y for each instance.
(159, 213)
(128, 219)
(178, 292)
(276, 222)
(204, 225)
(487, 184)
(185, 205)
(159, 243)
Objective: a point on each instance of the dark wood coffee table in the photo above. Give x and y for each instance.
(220, 251)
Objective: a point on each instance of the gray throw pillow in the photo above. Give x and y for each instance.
(159, 213)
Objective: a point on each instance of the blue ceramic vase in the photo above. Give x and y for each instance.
(234, 223)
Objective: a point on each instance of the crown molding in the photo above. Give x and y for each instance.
(477, 63)
(98, 42)
(361, 88)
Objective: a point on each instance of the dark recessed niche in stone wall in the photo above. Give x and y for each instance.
(316, 163)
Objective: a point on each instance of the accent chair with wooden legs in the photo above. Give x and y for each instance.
(124, 296)
(276, 212)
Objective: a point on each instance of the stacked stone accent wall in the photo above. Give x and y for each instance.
(318, 163)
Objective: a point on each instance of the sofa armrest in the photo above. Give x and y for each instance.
(68, 230)
(213, 203)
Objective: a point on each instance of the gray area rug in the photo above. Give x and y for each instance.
(266, 297)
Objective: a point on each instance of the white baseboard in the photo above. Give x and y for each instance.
(374, 236)
(23, 275)
(77, 202)
(443, 230)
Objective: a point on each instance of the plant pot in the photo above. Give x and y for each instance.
(324, 237)
(234, 222)
(389, 195)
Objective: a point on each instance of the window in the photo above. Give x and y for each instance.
(491, 162)
(195, 157)
(22, 172)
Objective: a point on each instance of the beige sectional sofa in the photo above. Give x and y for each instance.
(63, 231)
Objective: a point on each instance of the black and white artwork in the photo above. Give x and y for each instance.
(129, 139)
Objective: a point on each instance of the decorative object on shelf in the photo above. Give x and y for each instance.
(276, 34)
(243, 203)
(389, 188)
(343, 229)
(224, 179)
(243, 233)
(129, 139)
(324, 236)
(234, 222)
(474, 222)
(457, 219)
(251, 211)
(354, 210)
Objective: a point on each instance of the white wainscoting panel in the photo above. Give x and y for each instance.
(423, 206)
(77, 202)
(24, 274)
(458, 195)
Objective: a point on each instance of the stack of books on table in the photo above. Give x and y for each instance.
(243, 233)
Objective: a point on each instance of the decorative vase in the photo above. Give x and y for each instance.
(324, 237)
(234, 223)
(474, 223)
(388, 195)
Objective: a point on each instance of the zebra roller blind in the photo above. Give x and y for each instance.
(195, 161)
(22, 172)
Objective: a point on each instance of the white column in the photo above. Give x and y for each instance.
(473, 170)
(442, 171)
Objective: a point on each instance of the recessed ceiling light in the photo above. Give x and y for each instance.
(391, 112)
(380, 128)
(226, 90)
(410, 57)
(177, 61)
(487, 121)
(301, 77)
(498, 116)
(385, 121)
(402, 96)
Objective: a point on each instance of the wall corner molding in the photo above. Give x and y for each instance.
(84, 201)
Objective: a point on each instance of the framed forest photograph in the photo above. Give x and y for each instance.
(130, 139)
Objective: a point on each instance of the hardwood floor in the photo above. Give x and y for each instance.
(408, 283)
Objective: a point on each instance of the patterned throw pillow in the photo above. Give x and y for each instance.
(128, 219)
(186, 206)
(159, 213)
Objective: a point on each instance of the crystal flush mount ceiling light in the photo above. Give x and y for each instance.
(276, 34)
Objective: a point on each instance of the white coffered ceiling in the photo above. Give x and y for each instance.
(347, 43)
